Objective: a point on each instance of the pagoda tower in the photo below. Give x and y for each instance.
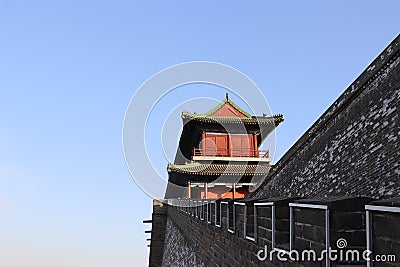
(218, 154)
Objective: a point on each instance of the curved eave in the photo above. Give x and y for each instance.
(209, 170)
(255, 120)
(219, 173)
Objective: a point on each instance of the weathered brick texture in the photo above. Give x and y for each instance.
(158, 231)
(353, 148)
(190, 239)
(177, 251)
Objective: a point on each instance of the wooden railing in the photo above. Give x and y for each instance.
(231, 153)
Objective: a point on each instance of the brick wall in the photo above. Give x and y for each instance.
(214, 245)
(315, 224)
(178, 252)
(353, 149)
(158, 232)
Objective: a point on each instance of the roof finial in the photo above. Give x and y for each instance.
(226, 95)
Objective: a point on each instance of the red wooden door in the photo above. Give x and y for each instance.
(209, 146)
(236, 145)
(221, 142)
(215, 145)
(242, 146)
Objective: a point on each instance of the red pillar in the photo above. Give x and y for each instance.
(234, 190)
(256, 154)
(203, 148)
(206, 190)
(189, 191)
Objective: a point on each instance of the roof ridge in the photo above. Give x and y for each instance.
(220, 105)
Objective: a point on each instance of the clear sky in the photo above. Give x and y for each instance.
(69, 68)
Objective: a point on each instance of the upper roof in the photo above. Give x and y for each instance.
(256, 120)
(229, 112)
(227, 108)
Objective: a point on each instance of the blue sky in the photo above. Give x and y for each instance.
(69, 68)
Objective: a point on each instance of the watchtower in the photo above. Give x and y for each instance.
(219, 155)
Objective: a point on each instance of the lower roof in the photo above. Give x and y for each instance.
(219, 169)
